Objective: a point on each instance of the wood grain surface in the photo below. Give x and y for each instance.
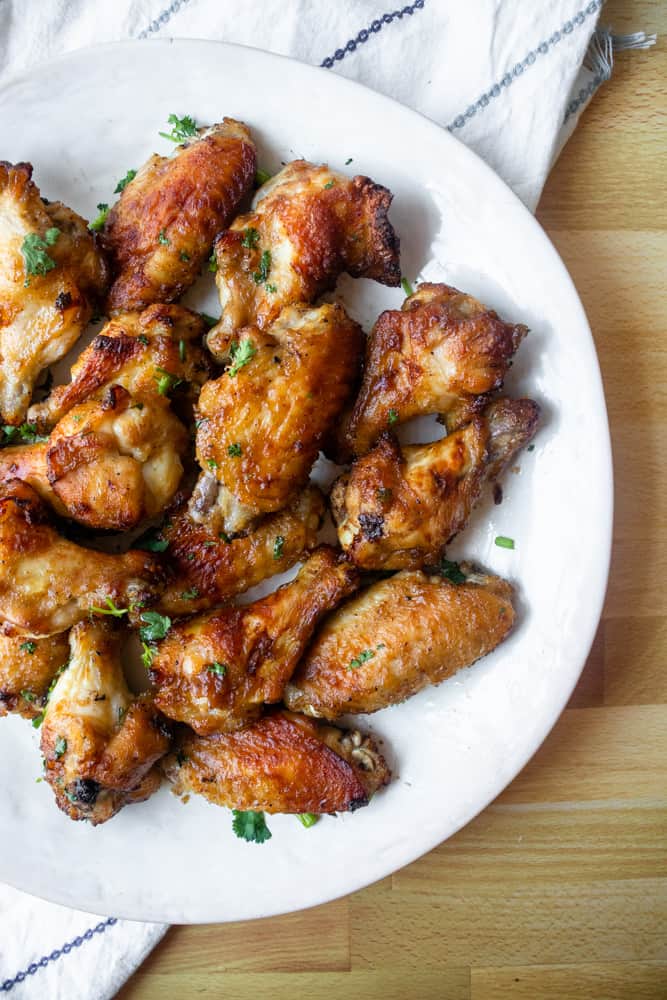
(558, 889)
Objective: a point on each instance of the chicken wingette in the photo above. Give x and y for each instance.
(398, 507)
(308, 225)
(261, 424)
(51, 274)
(208, 568)
(160, 231)
(216, 671)
(100, 743)
(442, 352)
(397, 637)
(48, 583)
(284, 763)
(27, 668)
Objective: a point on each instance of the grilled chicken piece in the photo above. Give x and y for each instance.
(109, 463)
(160, 231)
(48, 583)
(397, 508)
(27, 668)
(150, 354)
(51, 273)
(209, 569)
(216, 671)
(397, 637)
(284, 763)
(261, 425)
(308, 225)
(443, 352)
(100, 743)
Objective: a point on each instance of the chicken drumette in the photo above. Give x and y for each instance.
(161, 230)
(398, 507)
(397, 637)
(309, 224)
(216, 671)
(51, 273)
(27, 668)
(442, 352)
(284, 763)
(100, 743)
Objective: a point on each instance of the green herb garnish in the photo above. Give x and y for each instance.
(250, 826)
(363, 657)
(240, 355)
(60, 747)
(250, 238)
(163, 239)
(503, 542)
(155, 626)
(308, 819)
(35, 256)
(212, 464)
(166, 381)
(28, 647)
(110, 609)
(407, 287)
(219, 669)
(262, 274)
(278, 546)
(392, 417)
(182, 128)
(329, 184)
(185, 257)
(451, 571)
(152, 543)
(122, 184)
(29, 696)
(262, 176)
(209, 320)
(235, 450)
(189, 595)
(98, 222)
(181, 350)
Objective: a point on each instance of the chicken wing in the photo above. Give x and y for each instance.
(216, 671)
(27, 668)
(210, 568)
(284, 763)
(397, 508)
(160, 231)
(51, 273)
(100, 743)
(443, 352)
(261, 424)
(150, 354)
(309, 224)
(48, 583)
(397, 637)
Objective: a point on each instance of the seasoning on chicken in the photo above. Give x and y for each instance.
(159, 233)
(100, 743)
(442, 352)
(27, 668)
(397, 637)
(284, 763)
(51, 274)
(261, 424)
(48, 583)
(216, 671)
(308, 225)
(398, 507)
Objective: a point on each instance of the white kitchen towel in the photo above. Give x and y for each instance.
(507, 77)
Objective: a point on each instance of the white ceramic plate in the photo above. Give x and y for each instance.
(83, 121)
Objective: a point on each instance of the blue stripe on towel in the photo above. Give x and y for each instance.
(65, 949)
(373, 29)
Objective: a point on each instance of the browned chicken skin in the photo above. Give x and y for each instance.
(397, 637)
(27, 667)
(100, 743)
(210, 568)
(47, 296)
(161, 230)
(216, 671)
(48, 583)
(260, 426)
(443, 352)
(308, 225)
(284, 763)
(398, 507)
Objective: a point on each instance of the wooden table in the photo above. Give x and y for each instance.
(559, 888)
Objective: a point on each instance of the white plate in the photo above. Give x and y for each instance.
(83, 121)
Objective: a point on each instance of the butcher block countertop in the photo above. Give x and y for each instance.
(559, 888)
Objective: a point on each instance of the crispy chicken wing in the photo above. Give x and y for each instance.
(51, 272)
(150, 354)
(100, 743)
(441, 353)
(48, 583)
(160, 231)
(398, 507)
(309, 224)
(209, 567)
(284, 763)
(109, 463)
(27, 668)
(397, 637)
(216, 671)
(261, 424)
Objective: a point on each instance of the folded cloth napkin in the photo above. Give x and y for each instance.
(506, 77)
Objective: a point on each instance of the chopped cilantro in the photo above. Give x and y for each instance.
(110, 609)
(212, 261)
(182, 128)
(406, 286)
(147, 655)
(262, 274)
(271, 289)
(35, 256)
(363, 657)
(329, 184)
(122, 184)
(163, 239)
(308, 819)
(28, 696)
(101, 218)
(278, 546)
(250, 238)
(28, 647)
(212, 464)
(152, 543)
(143, 339)
(209, 320)
(451, 571)
(219, 669)
(60, 747)
(235, 450)
(166, 381)
(155, 626)
(503, 542)
(262, 176)
(185, 257)
(189, 595)
(250, 826)
(531, 447)
(240, 355)
(392, 417)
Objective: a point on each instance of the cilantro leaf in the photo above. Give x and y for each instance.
(110, 609)
(278, 547)
(122, 184)
(262, 274)
(209, 320)
(250, 238)
(155, 626)
(28, 647)
(219, 669)
(451, 571)
(101, 218)
(308, 819)
(262, 176)
(235, 450)
(250, 826)
(152, 543)
(163, 238)
(392, 417)
(183, 128)
(240, 355)
(166, 381)
(35, 256)
(60, 747)
(363, 657)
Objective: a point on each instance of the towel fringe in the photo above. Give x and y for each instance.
(599, 60)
